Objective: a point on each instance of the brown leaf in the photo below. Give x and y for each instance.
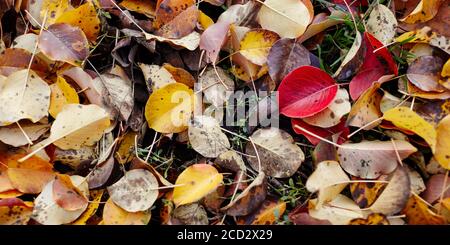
(67, 195)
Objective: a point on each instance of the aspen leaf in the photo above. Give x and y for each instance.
(212, 85)
(280, 157)
(61, 94)
(29, 176)
(424, 11)
(424, 71)
(47, 212)
(85, 17)
(180, 75)
(195, 182)
(180, 26)
(340, 211)
(288, 18)
(405, 118)
(115, 215)
(442, 153)
(169, 108)
(24, 95)
(366, 110)
(256, 44)
(206, 136)
(168, 10)
(190, 41)
(136, 191)
(74, 127)
(365, 194)
(13, 135)
(156, 76)
(382, 24)
(63, 42)
(67, 195)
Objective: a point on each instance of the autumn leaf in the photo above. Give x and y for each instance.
(115, 215)
(194, 183)
(85, 17)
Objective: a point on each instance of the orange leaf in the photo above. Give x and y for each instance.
(67, 195)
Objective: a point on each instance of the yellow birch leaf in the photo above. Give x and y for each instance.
(195, 182)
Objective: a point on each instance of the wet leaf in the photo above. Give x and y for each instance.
(206, 136)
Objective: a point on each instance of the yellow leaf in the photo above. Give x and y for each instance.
(61, 94)
(145, 7)
(256, 44)
(96, 196)
(372, 219)
(84, 17)
(169, 108)
(405, 118)
(195, 182)
(125, 152)
(115, 215)
(426, 35)
(74, 127)
(53, 9)
(425, 10)
(288, 18)
(446, 69)
(204, 20)
(180, 75)
(418, 213)
(442, 153)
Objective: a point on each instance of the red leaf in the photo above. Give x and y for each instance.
(322, 132)
(306, 91)
(374, 67)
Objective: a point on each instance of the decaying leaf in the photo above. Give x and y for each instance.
(136, 191)
(206, 136)
(67, 195)
(382, 24)
(256, 44)
(269, 213)
(61, 94)
(85, 17)
(418, 212)
(190, 214)
(366, 110)
(278, 157)
(340, 211)
(372, 219)
(442, 153)
(212, 83)
(250, 199)
(14, 211)
(13, 135)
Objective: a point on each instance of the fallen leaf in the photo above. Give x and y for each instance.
(370, 159)
(212, 84)
(372, 219)
(140, 6)
(16, 59)
(365, 193)
(365, 112)
(67, 195)
(195, 182)
(333, 114)
(301, 127)
(395, 195)
(250, 199)
(61, 94)
(424, 71)
(328, 179)
(442, 153)
(340, 211)
(63, 42)
(85, 17)
(47, 212)
(353, 59)
(418, 213)
(436, 187)
(306, 91)
(115, 215)
(288, 18)
(14, 211)
(180, 75)
(167, 10)
(284, 56)
(279, 156)
(405, 118)
(424, 11)
(269, 213)
(180, 26)
(13, 135)
(382, 24)
(136, 191)
(96, 196)
(256, 44)
(169, 108)
(206, 136)
(24, 95)
(29, 176)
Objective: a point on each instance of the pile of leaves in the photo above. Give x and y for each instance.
(90, 132)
